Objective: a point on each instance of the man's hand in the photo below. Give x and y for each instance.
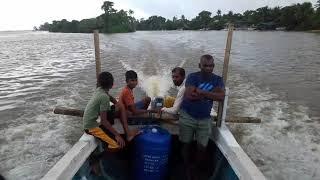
(132, 133)
(158, 111)
(192, 93)
(154, 110)
(200, 92)
(120, 141)
(112, 99)
(217, 94)
(195, 94)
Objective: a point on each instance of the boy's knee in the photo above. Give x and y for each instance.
(202, 143)
(118, 105)
(201, 148)
(121, 105)
(147, 99)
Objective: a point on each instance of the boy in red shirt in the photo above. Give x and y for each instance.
(99, 105)
(127, 99)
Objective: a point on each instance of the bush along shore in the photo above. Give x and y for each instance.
(297, 17)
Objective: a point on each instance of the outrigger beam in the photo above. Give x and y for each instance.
(164, 117)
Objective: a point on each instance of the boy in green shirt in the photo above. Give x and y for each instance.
(99, 105)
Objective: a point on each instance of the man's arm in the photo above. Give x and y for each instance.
(104, 108)
(216, 95)
(191, 88)
(191, 93)
(112, 99)
(106, 124)
(132, 108)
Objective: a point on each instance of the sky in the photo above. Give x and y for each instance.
(24, 15)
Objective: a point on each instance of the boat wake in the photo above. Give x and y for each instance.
(286, 132)
(154, 85)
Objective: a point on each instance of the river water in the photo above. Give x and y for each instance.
(273, 75)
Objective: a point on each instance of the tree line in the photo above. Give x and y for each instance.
(298, 17)
(111, 21)
(295, 17)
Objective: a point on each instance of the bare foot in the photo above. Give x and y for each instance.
(131, 134)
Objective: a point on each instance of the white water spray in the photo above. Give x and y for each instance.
(154, 85)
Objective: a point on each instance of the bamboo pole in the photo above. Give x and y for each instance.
(165, 117)
(227, 54)
(225, 70)
(97, 52)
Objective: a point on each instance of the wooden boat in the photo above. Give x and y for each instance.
(226, 160)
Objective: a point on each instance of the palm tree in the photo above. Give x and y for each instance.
(218, 17)
(318, 5)
(107, 7)
(130, 12)
(219, 13)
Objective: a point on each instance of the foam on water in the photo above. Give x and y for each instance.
(154, 85)
(32, 138)
(39, 138)
(283, 139)
(32, 147)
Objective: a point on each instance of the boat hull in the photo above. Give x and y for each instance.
(227, 158)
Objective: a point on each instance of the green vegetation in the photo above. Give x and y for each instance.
(298, 17)
(111, 21)
(295, 17)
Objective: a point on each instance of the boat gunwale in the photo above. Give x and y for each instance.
(71, 162)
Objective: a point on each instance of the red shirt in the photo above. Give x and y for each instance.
(126, 97)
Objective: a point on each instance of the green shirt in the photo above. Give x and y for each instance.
(99, 102)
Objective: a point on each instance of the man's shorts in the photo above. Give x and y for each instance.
(190, 128)
(104, 135)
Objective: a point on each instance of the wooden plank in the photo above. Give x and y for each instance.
(227, 54)
(68, 111)
(225, 70)
(243, 120)
(165, 117)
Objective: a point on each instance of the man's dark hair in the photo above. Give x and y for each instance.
(1, 177)
(206, 57)
(105, 80)
(131, 75)
(179, 70)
